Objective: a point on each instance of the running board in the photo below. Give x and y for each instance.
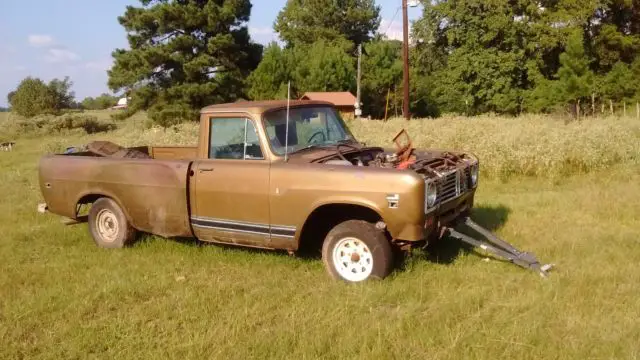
(501, 248)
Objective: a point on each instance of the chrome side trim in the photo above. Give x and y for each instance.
(285, 231)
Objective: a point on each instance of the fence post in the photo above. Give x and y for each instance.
(637, 111)
(386, 107)
(593, 104)
(611, 107)
(602, 108)
(578, 110)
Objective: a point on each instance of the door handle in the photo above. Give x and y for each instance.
(205, 169)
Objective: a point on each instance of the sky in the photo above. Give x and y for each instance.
(57, 38)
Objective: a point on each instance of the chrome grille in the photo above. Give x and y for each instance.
(453, 184)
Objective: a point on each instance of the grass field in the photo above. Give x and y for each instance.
(62, 298)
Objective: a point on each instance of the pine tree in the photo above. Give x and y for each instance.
(269, 80)
(574, 76)
(184, 55)
(321, 66)
(619, 84)
(381, 75)
(307, 21)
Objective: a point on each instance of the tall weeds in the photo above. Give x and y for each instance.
(528, 145)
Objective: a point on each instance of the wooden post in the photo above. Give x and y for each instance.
(611, 107)
(578, 110)
(405, 61)
(386, 107)
(358, 110)
(624, 108)
(637, 111)
(593, 104)
(602, 108)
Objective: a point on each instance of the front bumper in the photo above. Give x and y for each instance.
(447, 213)
(438, 219)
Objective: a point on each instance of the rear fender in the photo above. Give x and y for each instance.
(99, 193)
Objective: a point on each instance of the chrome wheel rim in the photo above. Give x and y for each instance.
(107, 225)
(352, 259)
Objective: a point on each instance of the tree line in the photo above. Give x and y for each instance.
(468, 57)
(35, 97)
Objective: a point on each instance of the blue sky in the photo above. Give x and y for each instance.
(75, 38)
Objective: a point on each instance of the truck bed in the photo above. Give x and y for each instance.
(109, 149)
(152, 192)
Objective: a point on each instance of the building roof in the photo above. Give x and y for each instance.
(260, 106)
(343, 98)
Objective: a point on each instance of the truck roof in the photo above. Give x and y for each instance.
(260, 106)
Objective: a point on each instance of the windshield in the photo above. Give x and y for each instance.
(308, 126)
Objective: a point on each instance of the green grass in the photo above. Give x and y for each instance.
(61, 297)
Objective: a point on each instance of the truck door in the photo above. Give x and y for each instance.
(230, 194)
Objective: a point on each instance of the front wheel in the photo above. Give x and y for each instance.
(356, 251)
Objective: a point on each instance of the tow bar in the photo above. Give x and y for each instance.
(501, 248)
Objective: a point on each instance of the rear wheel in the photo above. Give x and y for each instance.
(108, 225)
(356, 251)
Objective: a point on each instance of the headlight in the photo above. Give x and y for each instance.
(431, 194)
(474, 174)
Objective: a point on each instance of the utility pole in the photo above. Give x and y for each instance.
(358, 111)
(405, 59)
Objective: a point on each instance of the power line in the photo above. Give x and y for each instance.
(392, 20)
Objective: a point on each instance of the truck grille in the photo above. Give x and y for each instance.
(453, 184)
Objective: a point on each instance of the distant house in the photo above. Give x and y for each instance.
(122, 104)
(344, 101)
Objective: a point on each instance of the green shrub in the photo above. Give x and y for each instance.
(49, 124)
(89, 123)
(33, 97)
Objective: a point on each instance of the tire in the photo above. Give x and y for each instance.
(109, 226)
(372, 258)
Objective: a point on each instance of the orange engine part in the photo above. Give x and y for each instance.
(406, 163)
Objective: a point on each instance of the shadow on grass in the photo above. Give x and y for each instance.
(143, 239)
(148, 239)
(448, 249)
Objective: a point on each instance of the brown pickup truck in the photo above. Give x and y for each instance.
(269, 175)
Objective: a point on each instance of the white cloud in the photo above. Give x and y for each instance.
(53, 53)
(257, 30)
(36, 40)
(263, 34)
(100, 65)
(60, 55)
(392, 30)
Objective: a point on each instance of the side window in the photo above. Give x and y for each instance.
(233, 138)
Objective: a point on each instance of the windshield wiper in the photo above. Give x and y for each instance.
(349, 143)
(345, 141)
(328, 145)
(308, 147)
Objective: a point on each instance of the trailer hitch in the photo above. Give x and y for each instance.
(501, 248)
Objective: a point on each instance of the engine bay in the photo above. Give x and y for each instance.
(427, 163)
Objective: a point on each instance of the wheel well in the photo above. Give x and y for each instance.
(325, 217)
(87, 199)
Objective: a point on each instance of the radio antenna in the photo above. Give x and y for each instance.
(286, 132)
